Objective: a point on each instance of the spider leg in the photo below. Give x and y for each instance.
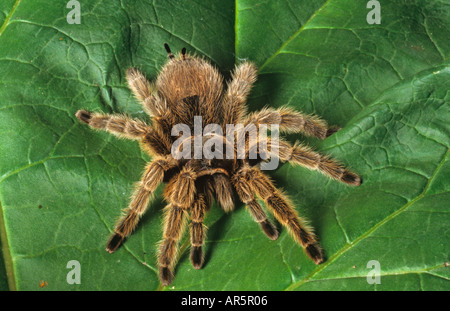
(153, 139)
(174, 224)
(152, 177)
(283, 211)
(306, 157)
(142, 90)
(243, 78)
(162, 116)
(291, 121)
(246, 194)
(156, 142)
(201, 205)
(198, 231)
(180, 192)
(224, 192)
(118, 125)
(175, 220)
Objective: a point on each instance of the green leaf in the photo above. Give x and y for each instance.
(62, 185)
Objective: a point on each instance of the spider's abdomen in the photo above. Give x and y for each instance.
(191, 87)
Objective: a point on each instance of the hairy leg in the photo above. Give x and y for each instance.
(180, 192)
(142, 90)
(223, 191)
(247, 195)
(162, 117)
(291, 121)
(284, 212)
(152, 177)
(243, 78)
(306, 157)
(118, 125)
(174, 224)
(198, 231)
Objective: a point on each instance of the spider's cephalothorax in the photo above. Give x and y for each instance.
(188, 87)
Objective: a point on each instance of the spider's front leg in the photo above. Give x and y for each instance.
(243, 78)
(152, 177)
(161, 115)
(142, 90)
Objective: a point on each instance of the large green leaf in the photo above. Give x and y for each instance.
(62, 185)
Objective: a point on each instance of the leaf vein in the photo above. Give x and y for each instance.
(344, 249)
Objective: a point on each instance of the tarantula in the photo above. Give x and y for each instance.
(188, 87)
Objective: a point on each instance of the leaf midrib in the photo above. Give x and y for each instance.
(293, 36)
(6, 22)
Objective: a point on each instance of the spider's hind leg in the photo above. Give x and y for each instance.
(247, 196)
(174, 224)
(152, 177)
(223, 191)
(198, 231)
(180, 192)
(284, 212)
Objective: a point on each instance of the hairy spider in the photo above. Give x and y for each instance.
(188, 87)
